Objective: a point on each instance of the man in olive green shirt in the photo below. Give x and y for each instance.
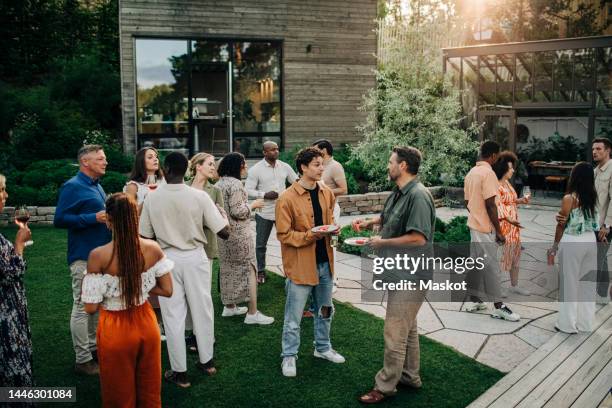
(407, 220)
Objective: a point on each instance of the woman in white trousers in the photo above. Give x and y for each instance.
(575, 240)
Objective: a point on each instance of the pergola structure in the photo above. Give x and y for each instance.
(564, 77)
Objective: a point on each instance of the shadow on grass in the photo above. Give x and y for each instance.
(248, 358)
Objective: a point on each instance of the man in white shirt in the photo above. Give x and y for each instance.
(175, 215)
(601, 149)
(267, 179)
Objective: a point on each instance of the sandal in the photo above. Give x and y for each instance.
(208, 368)
(179, 379)
(372, 397)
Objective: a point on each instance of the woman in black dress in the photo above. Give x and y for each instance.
(15, 337)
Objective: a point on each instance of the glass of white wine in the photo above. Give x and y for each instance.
(527, 194)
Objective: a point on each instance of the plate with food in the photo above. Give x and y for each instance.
(357, 241)
(328, 229)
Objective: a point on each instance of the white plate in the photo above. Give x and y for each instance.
(356, 241)
(330, 229)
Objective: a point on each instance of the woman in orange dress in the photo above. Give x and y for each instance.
(120, 276)
(508, 216)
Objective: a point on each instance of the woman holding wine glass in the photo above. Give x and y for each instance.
(507, 208)
(15, 336)
(146, 175)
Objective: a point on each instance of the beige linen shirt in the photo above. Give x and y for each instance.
(176, 214)
(603, 185)
(480, 184)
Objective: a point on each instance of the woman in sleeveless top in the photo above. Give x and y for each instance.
(146, 168)
(507, 209)
(577, 247)
(120, 276)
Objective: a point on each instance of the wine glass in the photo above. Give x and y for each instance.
(527, 194)
(152, 182)
(22, 216)
(375, 230)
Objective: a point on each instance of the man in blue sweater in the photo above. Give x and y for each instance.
(80, 209)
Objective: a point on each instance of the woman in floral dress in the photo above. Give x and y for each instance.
(15, 336)
(237, 254)
(508, 217)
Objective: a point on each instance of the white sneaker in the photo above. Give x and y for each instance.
(602, 300)
(258, 318)
(518, 290)
(288, 367)
(475, 307)
(505, 313)
(234, 311)
(331, 355)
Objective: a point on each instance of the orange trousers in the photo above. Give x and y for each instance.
(129, 354)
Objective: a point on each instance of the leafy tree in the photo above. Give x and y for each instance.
(413, 105)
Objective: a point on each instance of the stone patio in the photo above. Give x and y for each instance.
(496, 343)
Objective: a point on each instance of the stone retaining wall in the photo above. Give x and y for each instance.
(354, 204)
(38, 215)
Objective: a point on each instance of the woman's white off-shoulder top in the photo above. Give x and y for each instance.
(105, 289)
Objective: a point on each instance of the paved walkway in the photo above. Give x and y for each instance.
(496, 343)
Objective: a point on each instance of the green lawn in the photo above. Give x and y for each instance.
(247, 357)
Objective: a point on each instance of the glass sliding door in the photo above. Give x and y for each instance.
(256, 86)
(161, 94)
(210, 66)
(212, 95)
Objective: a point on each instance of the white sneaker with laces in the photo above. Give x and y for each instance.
(288, 367)
(234, 311)
(518, 290)
(258, 318)
(475, 307)
(602, 300)
(504, 313)
(331, 355)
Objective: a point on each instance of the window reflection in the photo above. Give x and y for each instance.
(543, 76)
(523, 88)
(583, 74)
(161, 87)
(604, 78)
(256, 87)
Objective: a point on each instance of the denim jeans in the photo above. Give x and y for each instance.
(263, 227)
(297, 295)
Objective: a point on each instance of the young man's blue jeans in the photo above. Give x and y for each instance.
(297, 295)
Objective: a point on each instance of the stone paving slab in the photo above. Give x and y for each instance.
(464, 342)
(499, 344)
(504, 351)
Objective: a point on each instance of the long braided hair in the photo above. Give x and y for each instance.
(123, 214)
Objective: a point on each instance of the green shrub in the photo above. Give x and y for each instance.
(113, 182)
(351, 184)
(455, 231)
(45, 172)
(20, 195)
(118, 161)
